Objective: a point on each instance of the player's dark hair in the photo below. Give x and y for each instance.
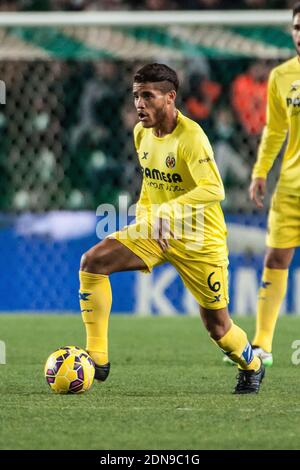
(296, 9)
(157, 73)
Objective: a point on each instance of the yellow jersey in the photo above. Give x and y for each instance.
(181, 181)
(283, 117)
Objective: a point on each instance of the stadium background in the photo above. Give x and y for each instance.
(66, 145)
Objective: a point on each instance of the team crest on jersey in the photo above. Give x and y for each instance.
(170, 160)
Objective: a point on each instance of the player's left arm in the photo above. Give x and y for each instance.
(209, 189)
(143, 203)
(198, 155)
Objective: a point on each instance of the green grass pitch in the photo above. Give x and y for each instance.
(168, 389)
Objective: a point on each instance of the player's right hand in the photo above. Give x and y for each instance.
(162, 233)
(257, 190)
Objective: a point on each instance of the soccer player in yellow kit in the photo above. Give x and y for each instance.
(283, 117)
(178, 220)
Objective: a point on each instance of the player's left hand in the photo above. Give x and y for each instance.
(257, 191)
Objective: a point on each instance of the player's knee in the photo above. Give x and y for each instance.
(216, 322)
(216, 329)
(217, 332)
(94, 261)
(276, 260)
(86, 262)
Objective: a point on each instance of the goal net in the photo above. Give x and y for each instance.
(66, 127)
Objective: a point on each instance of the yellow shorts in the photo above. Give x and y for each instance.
(284, 221)
(206, 280)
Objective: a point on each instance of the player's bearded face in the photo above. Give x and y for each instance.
(296, 32)
(150, 102)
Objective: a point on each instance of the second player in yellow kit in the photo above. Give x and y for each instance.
(283, 120)
(283, 116)
(179, 220)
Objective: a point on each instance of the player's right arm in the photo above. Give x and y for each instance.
(273, 136)
(143, 204)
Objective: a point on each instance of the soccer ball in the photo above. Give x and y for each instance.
(69, 370)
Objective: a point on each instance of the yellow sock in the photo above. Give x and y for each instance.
(270, 297)
(95, 303)
(235, 345)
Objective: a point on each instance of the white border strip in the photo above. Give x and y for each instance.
(148, 18)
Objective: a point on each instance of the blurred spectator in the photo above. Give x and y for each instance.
(234, 169)
(71, 5)
(100, 92)
(201, 4)
(95, 138)
(107, 5)
(289, 4)
(10, 5)
(131, 175)
(249, 97)
(265, 4)
(256, 3)
(153, 5)
(203, 96)
(34, 5)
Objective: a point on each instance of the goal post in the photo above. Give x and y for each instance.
(148, 18)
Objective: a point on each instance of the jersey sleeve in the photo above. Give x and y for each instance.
(143, 204)
(274, 132)
(198, 155)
